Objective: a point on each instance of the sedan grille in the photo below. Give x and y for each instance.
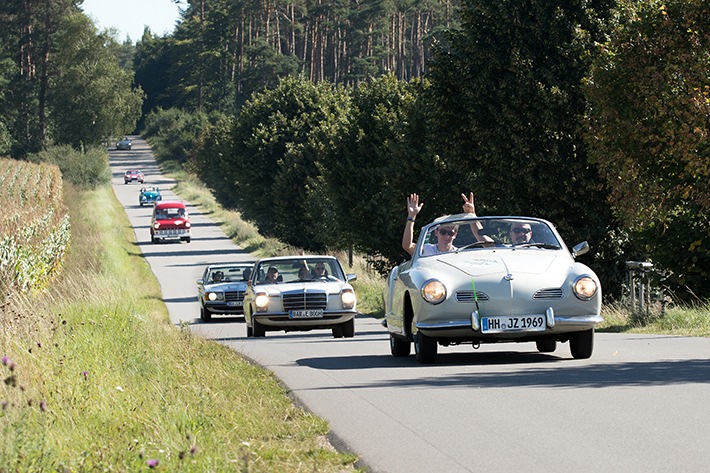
(304, 300)
(234, 296)
(551, 293)
(467, 296)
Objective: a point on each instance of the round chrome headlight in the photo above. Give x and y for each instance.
(347, 298)
(214, 296)
(585, 288)
(261, 301)
(433, 291)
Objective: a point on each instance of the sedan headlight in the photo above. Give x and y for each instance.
(347, 298)
(214, 296)
(261, 301)
(433, 291)
(585, 288)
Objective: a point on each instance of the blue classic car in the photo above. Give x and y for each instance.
(149, 195)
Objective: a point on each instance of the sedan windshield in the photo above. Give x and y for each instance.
(469, 234)
(298, 270)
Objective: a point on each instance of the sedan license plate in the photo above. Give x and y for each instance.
(305, 314)
(235, 303)
(517, 323)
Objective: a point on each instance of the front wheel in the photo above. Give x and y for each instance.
(581, 344)
(546, 346)
(349, 328)
(258, 330)
(425, 348)
(205, 315)
(400, 347)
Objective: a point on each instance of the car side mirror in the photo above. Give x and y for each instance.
(351, 277)
(580, 249)
(199, 282)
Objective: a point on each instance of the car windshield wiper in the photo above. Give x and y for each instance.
(546, 246)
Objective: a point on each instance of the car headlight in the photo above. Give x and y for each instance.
(433, 291)
(585, 288)
(156, 225)
(214, 296)
(347, 298)
(188, 224)
(261, 301)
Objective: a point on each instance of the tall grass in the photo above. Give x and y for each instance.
(97, 379)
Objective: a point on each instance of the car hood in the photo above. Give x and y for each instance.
(476, 264)
(226, 287)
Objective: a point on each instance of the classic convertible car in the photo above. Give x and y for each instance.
(221, 289)
(124, 144)
(170, 222)
(133, 175)
(504, 279)
(300, 293)
(149, 195)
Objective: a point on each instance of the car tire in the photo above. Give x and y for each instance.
(258, 330)
(581, 344)
(205, 315)
(153, 239)
(337, 331)
(187, 240)
(546, 346)
(250, 332)
(425, 348)
(400, 347)
(348, 328)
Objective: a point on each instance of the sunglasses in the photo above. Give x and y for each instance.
(522, 230)
(447, 232)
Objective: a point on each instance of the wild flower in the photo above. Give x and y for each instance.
(85, 374)
(6, 360)
(152, 463)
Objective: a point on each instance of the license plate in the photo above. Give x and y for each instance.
(518, 323)
(235, 303)
(305, 314)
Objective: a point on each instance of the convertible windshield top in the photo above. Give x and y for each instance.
(298, 269)
(458, 233)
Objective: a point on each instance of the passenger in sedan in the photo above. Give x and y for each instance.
(272, 275)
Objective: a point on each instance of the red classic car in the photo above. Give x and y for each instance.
(170, 222)
(133, 175)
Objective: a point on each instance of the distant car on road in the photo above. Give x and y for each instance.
(299, 293)
(133, 175)
(221, 289)
(515, 282)
(149, 195)
(170, 222)
(124, 144)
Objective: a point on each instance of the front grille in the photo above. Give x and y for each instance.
(304, 300)
(551, 293)
(467, 296)
(234, 296)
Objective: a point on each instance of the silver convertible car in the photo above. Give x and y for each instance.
(297, 293)
(491, 279)
(221, 289)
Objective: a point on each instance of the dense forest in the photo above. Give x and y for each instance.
(316, 119)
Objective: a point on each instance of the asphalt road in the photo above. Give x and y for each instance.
(640, 404)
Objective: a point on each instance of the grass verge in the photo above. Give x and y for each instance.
(96, 379)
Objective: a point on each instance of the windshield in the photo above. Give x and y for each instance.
(470, 234)
(235, 273)
(170, 213)
(302, 269)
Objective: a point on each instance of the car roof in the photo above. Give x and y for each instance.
(230, 265)
(170, 205)
(276, 259)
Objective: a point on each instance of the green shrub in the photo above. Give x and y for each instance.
(87, 169)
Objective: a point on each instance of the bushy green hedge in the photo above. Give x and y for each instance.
(84, 168)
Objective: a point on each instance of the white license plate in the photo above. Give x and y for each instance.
(517, 323)
(305, 314)
(235, 303)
